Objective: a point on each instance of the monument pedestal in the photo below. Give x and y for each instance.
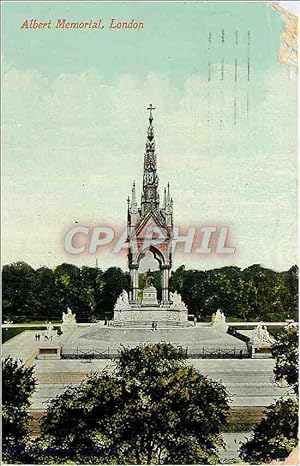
(174, 313)
(149, 297)
(145, 316)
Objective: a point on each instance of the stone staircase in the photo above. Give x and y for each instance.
(147, 324)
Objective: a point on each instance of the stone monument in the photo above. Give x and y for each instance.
(149, 297)
(122, 302)
(69, 321)
(150, 216)
(68, 317)
(218, 319)
(50, 332)
(261, 335)
(176, 302)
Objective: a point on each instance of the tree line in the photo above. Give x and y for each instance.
(254, 293)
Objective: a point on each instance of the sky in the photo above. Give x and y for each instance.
(74, 112)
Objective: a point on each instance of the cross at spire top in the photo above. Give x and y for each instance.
(150, 108)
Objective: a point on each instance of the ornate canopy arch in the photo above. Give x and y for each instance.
(158, 255)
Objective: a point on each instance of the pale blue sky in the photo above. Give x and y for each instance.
(74, 124)
(171, 43)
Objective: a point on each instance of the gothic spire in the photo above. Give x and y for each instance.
(134, 207)
(165, 198)
(150, 196)
(168, 194)
(133, 195)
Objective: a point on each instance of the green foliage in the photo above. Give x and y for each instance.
(18, 385)
(285, 350)
(72, 290)
(115, 280)
(8, 333)
(153, 409)
(255, 293)
(18, 283)
(275, 436)
(43, 294)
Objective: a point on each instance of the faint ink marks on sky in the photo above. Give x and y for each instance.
(220, 73)
(222, 77)
(235, 81)
(208, 77)
(248, 73)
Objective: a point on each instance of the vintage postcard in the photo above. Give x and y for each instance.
(149, 232)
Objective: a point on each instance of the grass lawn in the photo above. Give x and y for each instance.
(8, 333)
(41, 322)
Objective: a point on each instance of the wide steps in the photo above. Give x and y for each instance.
(147, 324)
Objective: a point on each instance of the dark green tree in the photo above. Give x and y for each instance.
(47, 305)
(74, 290)
(285, 351)
(68, 286)
(114, 282)
(191, 284)
(177, 279)
(291, 281)
(18, 282)
(269, 297)
(18, 385)
(255, 293)
(90, 277)
(275, 436)
(152, 409)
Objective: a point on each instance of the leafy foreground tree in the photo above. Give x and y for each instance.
(285, 350)
(276, 435)
(152, 409)
(18, 385)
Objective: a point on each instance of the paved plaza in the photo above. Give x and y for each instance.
(22, 346)
(249, 382)
(102, 338)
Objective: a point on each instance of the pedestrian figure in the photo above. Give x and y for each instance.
(155, 325)
(51, 337)
(36, 337)
(152, 326)
(195, 321)
(39, 336)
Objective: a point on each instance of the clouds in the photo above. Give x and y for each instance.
(74, 143)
